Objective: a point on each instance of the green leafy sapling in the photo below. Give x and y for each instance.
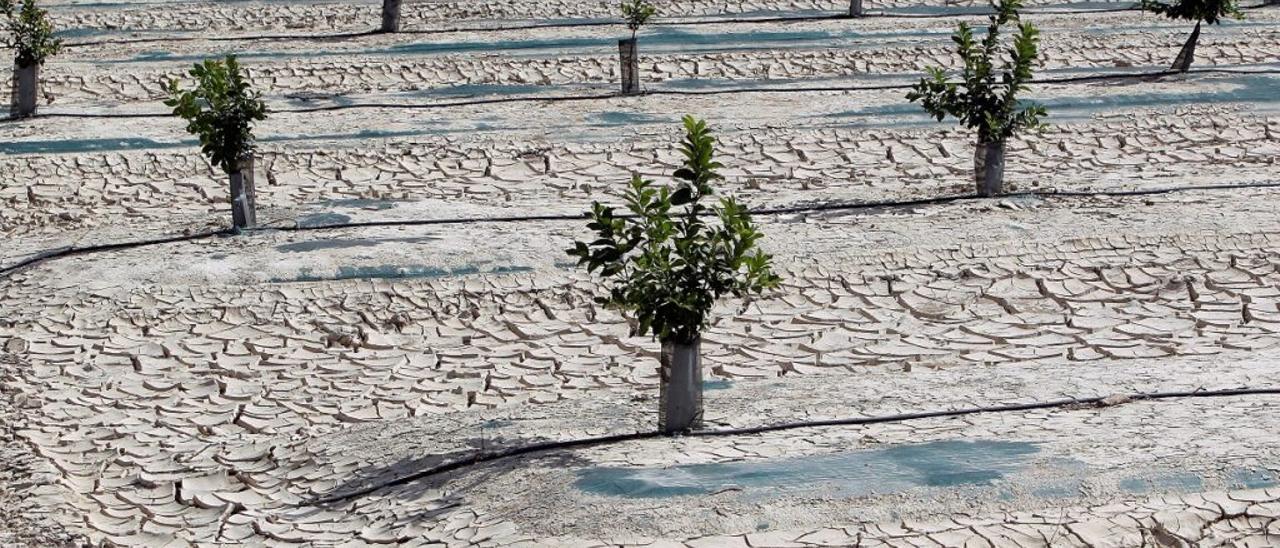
(1200, 11)
(220, 110)
(666, 264)
(637, 13)
(28, 32)
(986, 97)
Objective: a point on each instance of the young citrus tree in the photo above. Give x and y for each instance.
(636, 13)
(29, 33)
(985, 98)
(1200, 11)
(221, 110)
(666, 266)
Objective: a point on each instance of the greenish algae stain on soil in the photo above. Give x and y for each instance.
(934, 464)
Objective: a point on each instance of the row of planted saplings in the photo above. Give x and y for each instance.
(222, 108)
(30, 35)
(637, 13)
(665, 266)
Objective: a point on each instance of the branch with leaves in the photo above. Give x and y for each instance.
(665, 264)
(28, 32)
(1200, 11)
(986, 98)
(637, 13)
(1209, 11)
(220, 110)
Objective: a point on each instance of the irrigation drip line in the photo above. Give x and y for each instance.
(69, 251)
(337, 36)
(482, 457)
(581, 216)
(791, 210)
(1066, 80)
(260, 37)
(787, 210)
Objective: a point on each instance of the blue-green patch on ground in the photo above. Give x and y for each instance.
(1253, 478)
(1253, 89)
(347, 243)
(323, 219)
(389, 271)
(61, 146)
(1183, 482)
(362, 203)
(717, 384)
(892, 469)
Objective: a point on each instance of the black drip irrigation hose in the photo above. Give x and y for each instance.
(1134, 7)
(581, 216)
(1067, 80)
(257, 37)
(64, 252)
(788, 210)
(483, 457)
(707, 20)
(791, 210)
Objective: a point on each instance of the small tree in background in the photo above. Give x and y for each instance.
(221, 110)
(986, 99)
(636, 13)
(29, 33)
(1200, 11)
(667, 267)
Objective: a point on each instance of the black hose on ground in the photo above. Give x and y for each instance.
(264, 37)
(64, 252)
(337, 36)
(1067, 80)
(789, 210)
(482, 457)
(786, 210)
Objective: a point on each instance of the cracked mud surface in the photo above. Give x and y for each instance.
(211, 392)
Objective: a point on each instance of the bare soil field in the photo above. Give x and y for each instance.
(406, 301)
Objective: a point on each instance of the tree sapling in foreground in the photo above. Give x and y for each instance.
(221, 110)
(666, 267)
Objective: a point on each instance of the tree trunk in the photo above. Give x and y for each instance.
(988, 168)
(680, 388)
(630, 62)
(243, 200)
(855, 8)
(390, 15)
(26, 90)
(1188, 53)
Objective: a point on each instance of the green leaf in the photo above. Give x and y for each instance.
(220, 110)
(985, 95)
(669, 267)
(682, 196)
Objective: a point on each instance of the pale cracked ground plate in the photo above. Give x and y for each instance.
(218, 391)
